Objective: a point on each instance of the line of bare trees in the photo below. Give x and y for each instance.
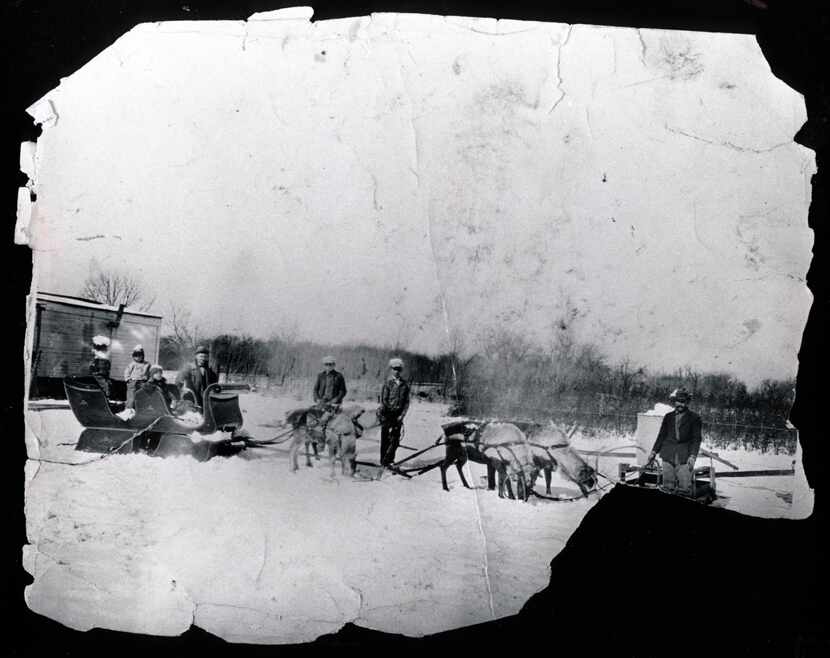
(283, 356)
(511, 375)
(503, 372)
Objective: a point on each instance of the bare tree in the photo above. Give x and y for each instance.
(181, 327)
(113, 288)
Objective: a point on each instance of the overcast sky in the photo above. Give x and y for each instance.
(387, 179)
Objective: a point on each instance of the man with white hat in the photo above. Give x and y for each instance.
(330, 388)
(394, 403)
(329, 391)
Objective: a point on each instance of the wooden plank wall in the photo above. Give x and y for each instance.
(66, 333)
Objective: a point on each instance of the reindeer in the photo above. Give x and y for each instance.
(302, 435)
(342, 433)
(506, 446)
(500, 446)
(548, 447)
(461, 440)
(551, 450)
(344, 423)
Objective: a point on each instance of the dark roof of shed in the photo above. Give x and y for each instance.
(89, 303)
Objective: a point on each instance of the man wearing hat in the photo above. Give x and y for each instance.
(197, 376)
(330, 388)
(678, 443)
(394, 403)
(329, 391)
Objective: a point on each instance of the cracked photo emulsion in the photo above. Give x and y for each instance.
(354, 320)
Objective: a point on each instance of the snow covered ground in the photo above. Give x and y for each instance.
(251, 552)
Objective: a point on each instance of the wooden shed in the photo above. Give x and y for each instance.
(62, 339)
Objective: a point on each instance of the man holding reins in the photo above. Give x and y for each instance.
(394, 403)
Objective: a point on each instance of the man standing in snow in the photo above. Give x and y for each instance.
(329, 391)
(678, 443)
(394, 403)
(197, 376)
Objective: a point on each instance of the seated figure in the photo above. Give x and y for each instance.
(194, 378)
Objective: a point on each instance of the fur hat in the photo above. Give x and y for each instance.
(395, 363)
(100, 341)
(155, 368)
(138, 349)
(202, 349)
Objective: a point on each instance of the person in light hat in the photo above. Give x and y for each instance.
(330, 388)
(678, 443)
(394, 403)
(197, 376)
(329, 391)
(136, 373)
(100, 365)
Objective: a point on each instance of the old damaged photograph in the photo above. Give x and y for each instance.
(355, 320)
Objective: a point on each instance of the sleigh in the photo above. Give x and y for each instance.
(154, 429)
(650, 476)
(704, 478)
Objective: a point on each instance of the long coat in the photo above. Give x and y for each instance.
(687, 443)
(191, 377)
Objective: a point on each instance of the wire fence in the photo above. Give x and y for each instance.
(725, 435)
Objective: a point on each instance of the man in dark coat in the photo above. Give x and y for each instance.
(329, 391)
(394, 403)
(197, 376)
(330, 388)
(678, 443)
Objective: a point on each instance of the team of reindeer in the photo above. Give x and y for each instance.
(513, 452)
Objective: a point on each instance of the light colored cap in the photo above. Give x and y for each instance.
(100, 340)
(138, 348)
(395, 363)
(328, 359)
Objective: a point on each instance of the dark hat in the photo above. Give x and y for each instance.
(680, 394)
(202, 349)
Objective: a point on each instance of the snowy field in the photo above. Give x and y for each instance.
(251, 552)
